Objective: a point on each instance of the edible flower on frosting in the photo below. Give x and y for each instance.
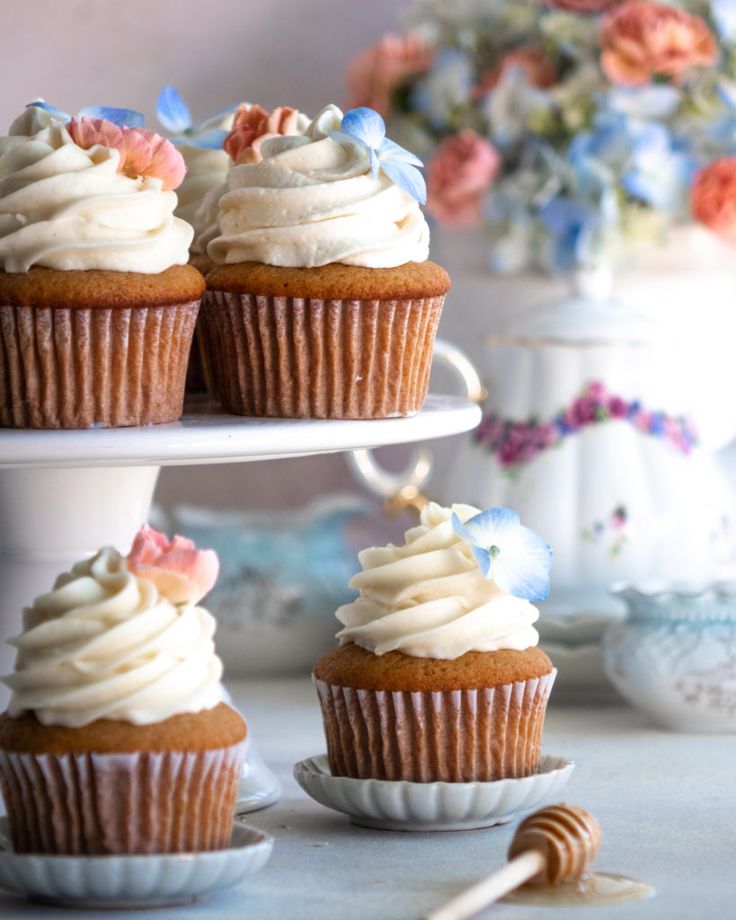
(142, 153)
(128, 118)
(174, 115)
(511, 555)
(182, 573)
(252, 125)
(365, 129)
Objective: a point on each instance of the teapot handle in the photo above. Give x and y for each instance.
(404, 488)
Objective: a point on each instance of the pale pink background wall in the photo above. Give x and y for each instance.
(121, 52)
(79, 52)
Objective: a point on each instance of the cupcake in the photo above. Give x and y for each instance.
(438, 676)
(207, 148)
(322, 303)
(97, 302)
(117, 739)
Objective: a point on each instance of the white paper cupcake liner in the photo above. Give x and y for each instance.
(444, 736)
(121, 803)
(292, 357)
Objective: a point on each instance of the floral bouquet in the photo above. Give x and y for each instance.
(573, 129)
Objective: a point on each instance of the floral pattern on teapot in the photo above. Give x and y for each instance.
(515, 444)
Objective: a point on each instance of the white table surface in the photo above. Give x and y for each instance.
(666, 803)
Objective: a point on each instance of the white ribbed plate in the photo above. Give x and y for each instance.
(132, 881)
(404, 806)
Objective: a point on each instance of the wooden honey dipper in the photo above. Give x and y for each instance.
(554, 845)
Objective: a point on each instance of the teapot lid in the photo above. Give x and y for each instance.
(591, 315)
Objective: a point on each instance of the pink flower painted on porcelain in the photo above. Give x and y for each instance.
(142, 153)
(182, 573)
(252, 125)
(515, 443)
(642, 40)
(713, 198)
(617, 407)
(531, 60)
(376, 72)
(459, 175)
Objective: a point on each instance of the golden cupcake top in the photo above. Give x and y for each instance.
(414, 280)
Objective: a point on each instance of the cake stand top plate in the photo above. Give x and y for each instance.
(205, 435)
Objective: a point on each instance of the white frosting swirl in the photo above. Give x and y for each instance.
(429, 599)
(205, 220)
(67, 208)
(105, 645)
(206, 169)
(312, 201)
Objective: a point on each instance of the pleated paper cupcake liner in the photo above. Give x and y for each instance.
(93, 367)
(91, 804)
(453, 736)
(199, 369)
(288, 357)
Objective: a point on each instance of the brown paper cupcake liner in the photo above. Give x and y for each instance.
(290, 357)
(121, 803)
(453, 736)
(199, 369)
(106, 367)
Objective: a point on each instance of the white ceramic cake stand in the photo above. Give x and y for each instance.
(64, 494)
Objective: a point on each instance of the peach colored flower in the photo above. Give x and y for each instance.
(142, 153)
(375, 72)
(532, 61)
(459, 175)
(582, 6)
(642, 39)
(252, 125)
(182, 573)
(713, 197)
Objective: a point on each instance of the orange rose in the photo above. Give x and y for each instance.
(252, 125)
(532, 61)
(642, 39)
(376, 71)
(713, 198)
(459, 175)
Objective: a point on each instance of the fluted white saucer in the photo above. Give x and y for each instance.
(405, 806)
(125, 882)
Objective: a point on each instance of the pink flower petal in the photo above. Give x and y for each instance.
(182, 573)
(142, 153)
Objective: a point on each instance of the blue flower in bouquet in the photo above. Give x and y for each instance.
(445, 88)
(512, 106)
(124, 118)
(364, 128)
(574, 227)
(602, 150)
(724, 15)
(658, 172)
(513, 556)
(641, 155)
(173, 113)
